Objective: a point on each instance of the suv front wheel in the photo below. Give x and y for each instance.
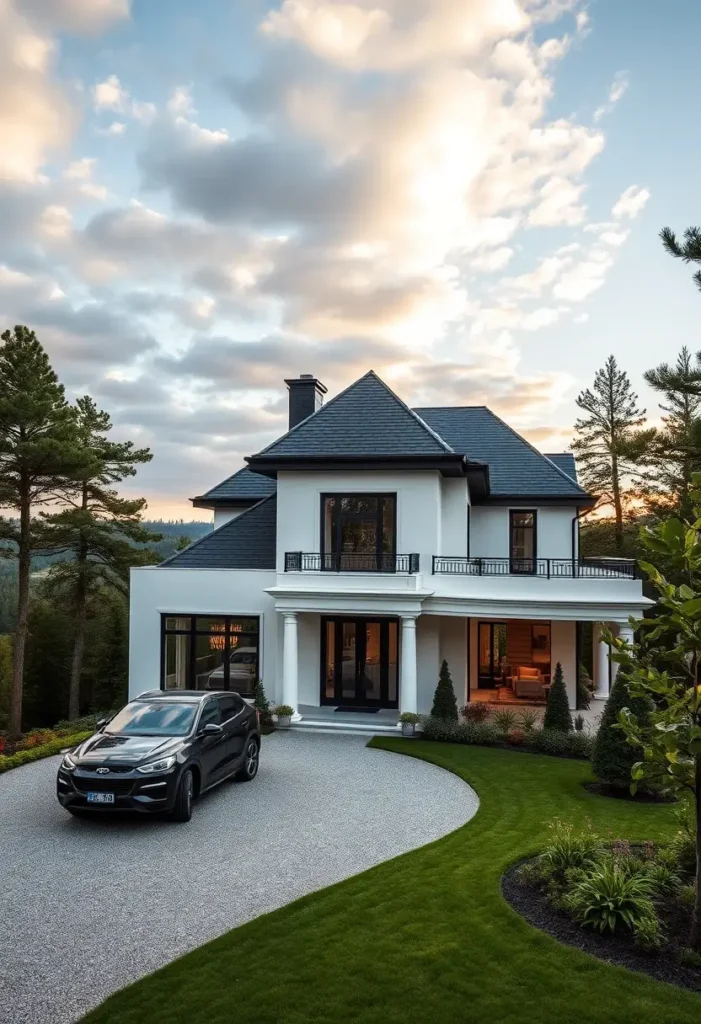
(182, 808)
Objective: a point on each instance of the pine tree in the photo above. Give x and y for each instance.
(39, 450)
(97, 528)
(5, 677)
(610, 444)
(262, 704)
(689, 250)
(444, 703)
(613, 757)
(676, 451)
(557, 713)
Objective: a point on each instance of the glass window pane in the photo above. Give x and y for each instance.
(388, 542)
(177, 662)
(370, 670)
(358, 504)
(243, 667)
(392, 663)
(330, 659)
(178, 622)
(359, 536)
(244, 625)
(329, 506)
(348, 661)
(210, 713)
(209, 662)
(210, 625)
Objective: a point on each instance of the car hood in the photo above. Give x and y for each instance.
(103, 748)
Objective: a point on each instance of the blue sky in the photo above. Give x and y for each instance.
(465, 195)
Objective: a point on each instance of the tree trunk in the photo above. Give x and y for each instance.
(14, 724)
(617, 505)
(81, 599)
(695, 938)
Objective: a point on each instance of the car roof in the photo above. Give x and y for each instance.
(178, 696)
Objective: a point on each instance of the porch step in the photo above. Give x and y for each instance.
(331, 725)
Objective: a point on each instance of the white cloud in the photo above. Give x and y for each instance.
(111, 95)
(492, 259)
(116, 128)
(81, 16)
(631, 202)
(180, 102)
(617, 89)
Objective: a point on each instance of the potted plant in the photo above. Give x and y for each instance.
(284, 715)
(409, 720)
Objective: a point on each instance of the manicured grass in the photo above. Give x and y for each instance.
(426, 937)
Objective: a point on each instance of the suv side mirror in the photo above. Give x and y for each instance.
(102, 723)
(211, 729)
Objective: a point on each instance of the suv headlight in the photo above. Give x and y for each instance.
(163, 765)
(68, 764)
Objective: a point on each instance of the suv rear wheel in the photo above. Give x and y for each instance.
(249, 769)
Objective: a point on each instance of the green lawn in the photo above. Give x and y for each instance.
(425, 937)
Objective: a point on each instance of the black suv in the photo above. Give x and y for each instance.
(160, 752)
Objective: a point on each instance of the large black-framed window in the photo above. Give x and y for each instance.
(359, 531)
(210, 652)
(523, 540)
(359, 661)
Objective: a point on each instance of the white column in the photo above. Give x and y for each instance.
(290, 663)
(408, 685)
(601, 665)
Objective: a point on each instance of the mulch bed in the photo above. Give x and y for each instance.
(614, 793)
(530, 902)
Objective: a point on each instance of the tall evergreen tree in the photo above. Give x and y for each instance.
(97, 527)
(38, 452)
(557, 712)
(676, 450)
(610, 443)
(689, 250)
(445, 704)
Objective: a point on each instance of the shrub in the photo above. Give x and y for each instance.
(663, 880)
(569, 848)
(284, 711)
(534, 872)
(687, 896)
(409, 718)
(476, 712)
(690, 957)
(46, 750)
(579, 723)
(613, 756)
(66, 727)
(516, 737)
(584, 689)
(579, 744)
(441, 731)
(483, 734)
(557, 713)
(683, 846)
(262, 704)
(608, 898)
(551, 741)
(444, 703)
(36, 738)
(528, 720)
(648, 934)
(504, 719)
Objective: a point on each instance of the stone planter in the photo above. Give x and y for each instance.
(284, 721)
(408, 729)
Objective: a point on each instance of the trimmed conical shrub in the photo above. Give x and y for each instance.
(557, 713)
(613, 756)
(444, 703)
(262, 704)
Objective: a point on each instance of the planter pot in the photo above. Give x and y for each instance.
(284, 721)
(408, 729)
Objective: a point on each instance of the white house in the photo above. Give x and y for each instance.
(367, 544)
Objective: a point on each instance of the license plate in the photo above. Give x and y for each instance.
(100, 798)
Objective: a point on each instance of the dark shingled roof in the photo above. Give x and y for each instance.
(246, 542)
(365, 419)
(565, 462)
(515, 466)
(245, 485)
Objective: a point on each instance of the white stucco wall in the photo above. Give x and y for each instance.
(157, 591)
(428, 654)
(454, 505)
(224, 515)
(453, 647)
(563, 649)
(418, 508)
(489, 531)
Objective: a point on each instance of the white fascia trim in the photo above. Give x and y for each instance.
(585, 611)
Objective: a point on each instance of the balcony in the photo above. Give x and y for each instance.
(305, 561)
(544, 568)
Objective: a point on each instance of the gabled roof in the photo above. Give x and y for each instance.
(246, 542)
(243, 486)
(366, 420)
(516, 468)
(564, 462)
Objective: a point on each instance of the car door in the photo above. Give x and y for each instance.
(235, 724)
(213, 749)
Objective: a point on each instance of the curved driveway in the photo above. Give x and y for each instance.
(91, 905)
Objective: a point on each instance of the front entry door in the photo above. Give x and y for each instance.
(359, 662)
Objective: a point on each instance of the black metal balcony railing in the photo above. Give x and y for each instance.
(304, 561)
(550, 568)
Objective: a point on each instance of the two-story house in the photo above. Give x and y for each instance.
(367, 544)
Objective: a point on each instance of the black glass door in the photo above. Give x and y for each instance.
(492, 654)
(359, 662)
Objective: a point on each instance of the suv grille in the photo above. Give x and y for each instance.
(122, 787)
(114, 768)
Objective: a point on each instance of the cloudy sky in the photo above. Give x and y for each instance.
(199, 199)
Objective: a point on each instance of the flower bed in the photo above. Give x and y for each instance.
(627, 904)
(513, 735)
(25, 752)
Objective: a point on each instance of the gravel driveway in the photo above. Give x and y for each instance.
(91, 905)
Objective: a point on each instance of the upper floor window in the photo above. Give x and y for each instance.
(522, 540)
(359, 531)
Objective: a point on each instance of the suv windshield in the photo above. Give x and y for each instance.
(156, 719)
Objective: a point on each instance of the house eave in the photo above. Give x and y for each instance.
(576, 500)
(447, 465)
